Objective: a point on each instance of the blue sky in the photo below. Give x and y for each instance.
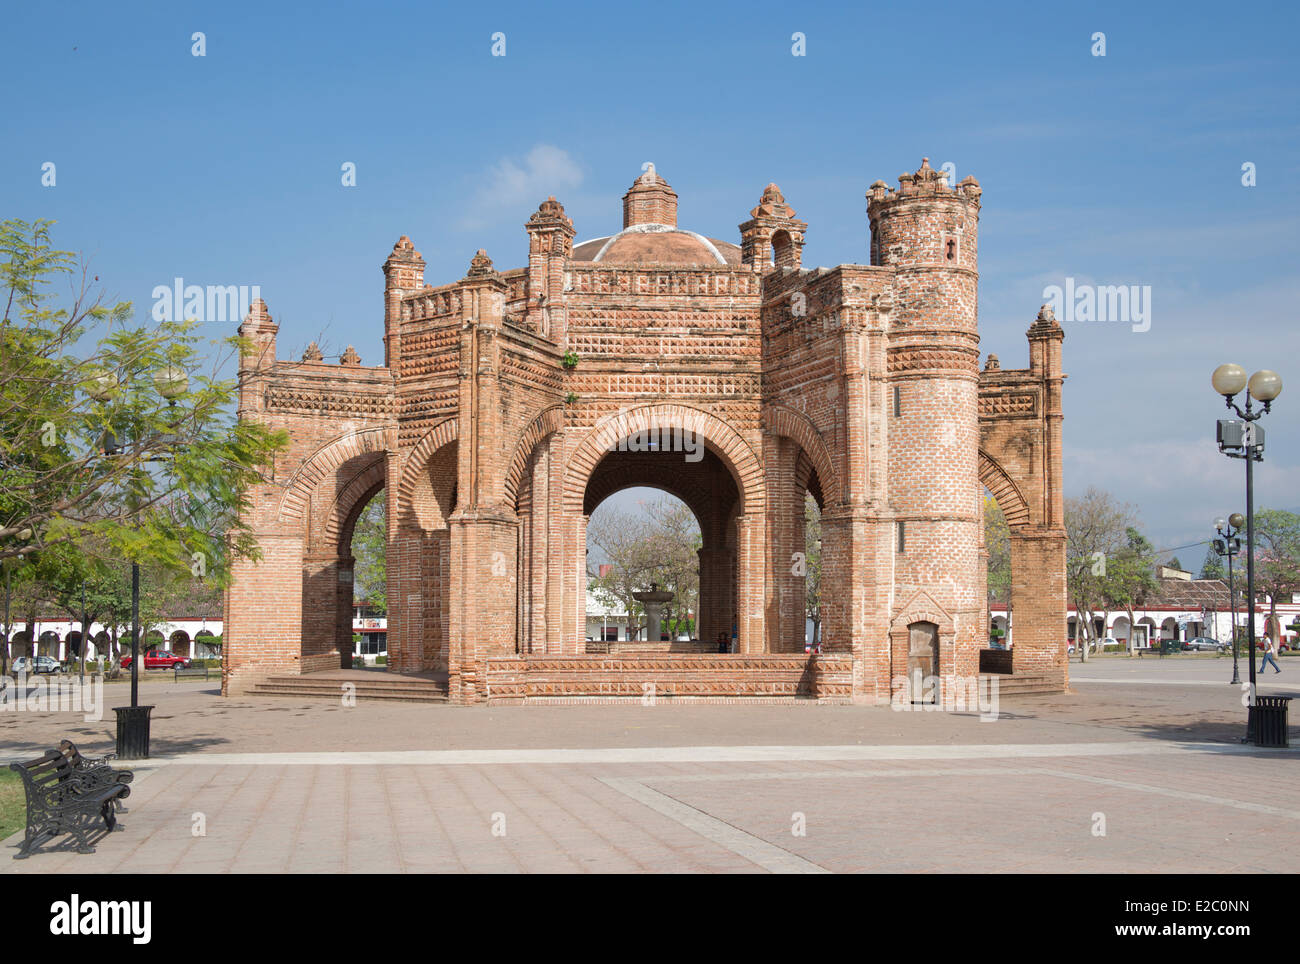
(1122, 169)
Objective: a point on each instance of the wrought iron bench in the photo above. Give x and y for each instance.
(63, 799)
(96, 768)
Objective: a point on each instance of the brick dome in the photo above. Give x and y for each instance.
(657, 244)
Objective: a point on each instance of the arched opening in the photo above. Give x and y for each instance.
(782, 249)
(923, 661)
(330, 517)
(701, 507)
(419, 557)
(997, 549)
(642, 540)
(368, 549)
(179, 643)
(1169, 630)
(806, 613)
(48, 644)
(1146, 632)
(207, 645)
(1121, 630)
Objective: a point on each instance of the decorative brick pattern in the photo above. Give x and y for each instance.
(493, 431)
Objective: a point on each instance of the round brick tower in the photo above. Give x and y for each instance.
(926, 233)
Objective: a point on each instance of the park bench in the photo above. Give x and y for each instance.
(62, 799)
(96, 768)
(180, 671)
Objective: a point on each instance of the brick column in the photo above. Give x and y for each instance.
(1038, 598)
(263, 628)
(751, 564)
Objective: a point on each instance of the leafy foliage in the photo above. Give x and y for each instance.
(81, 378)
(369, 549)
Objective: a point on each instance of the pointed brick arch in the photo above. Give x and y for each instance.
(1012, 502)
(351, 501)
(783, 420)
(318, 468)
(721, 437)
(550, 420)
(448, 430)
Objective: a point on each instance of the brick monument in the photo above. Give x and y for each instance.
(511, 403)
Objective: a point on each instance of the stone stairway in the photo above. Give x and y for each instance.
(368, 686)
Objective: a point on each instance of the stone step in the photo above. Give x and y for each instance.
(380, 689)
(1012, 685)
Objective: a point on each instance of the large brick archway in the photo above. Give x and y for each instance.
(492, 429)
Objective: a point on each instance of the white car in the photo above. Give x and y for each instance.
(43, 664)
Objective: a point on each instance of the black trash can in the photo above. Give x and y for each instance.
(1270, 714)
(133, 732)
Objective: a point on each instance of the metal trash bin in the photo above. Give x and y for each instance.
(133, 732)
(1270, 713)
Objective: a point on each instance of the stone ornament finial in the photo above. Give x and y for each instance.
(350, 358)
(480, 266)
(550, 210)
(772, 204)
(1046, 315)
(404, 250)
(992, 365)
(313, 353)
(258, 313)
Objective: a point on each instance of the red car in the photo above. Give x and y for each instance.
(159, 659)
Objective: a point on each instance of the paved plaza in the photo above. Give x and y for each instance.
(1138, 769)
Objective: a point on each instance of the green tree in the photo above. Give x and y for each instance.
(1130, 577)
(1214, 566)
(997, 542)
(812, 532)
(370, 552)
(1096, 530)
(1277, 559)
(80, 379)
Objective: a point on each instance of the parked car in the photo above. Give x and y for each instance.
(159, 659)
(1071, 647)
(1203, 644)
(41, 664)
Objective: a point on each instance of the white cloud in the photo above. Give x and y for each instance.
(513, 184)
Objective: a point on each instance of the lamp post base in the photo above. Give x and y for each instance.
(132, 732)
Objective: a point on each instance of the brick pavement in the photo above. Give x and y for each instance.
(410, 788)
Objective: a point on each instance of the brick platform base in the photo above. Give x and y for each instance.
(676, 676)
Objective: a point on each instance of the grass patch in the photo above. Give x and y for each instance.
(13, 803)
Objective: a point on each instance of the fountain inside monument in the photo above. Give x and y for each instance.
(653, 600)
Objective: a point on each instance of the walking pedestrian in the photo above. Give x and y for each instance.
(1270, 652)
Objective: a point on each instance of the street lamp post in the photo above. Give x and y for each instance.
(1240, 438)
(133, 721)
(1229, 544)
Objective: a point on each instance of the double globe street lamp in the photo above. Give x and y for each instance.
(1229, 544)
(1241, 438)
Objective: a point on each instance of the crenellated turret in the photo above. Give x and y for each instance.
(550, 244)
(773, 236)
(403, 274)
(258, 357)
